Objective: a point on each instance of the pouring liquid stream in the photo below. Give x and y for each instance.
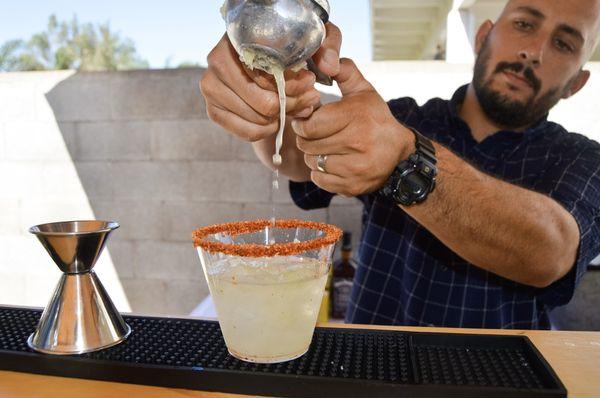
(254, 59)
(277, 159)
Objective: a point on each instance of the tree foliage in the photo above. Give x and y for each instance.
(71, 45)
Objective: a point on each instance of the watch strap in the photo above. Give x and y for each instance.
(423, 161)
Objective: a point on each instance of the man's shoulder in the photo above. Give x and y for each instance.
(564, 141)
(407, 107)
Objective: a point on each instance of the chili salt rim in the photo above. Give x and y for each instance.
(332, 235)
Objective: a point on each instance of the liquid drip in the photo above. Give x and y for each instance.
(254, 59)
(280, 80)
(275, 188)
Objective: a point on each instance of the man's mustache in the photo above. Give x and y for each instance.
(517, 67)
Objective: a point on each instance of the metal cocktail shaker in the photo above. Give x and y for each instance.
(288, 31)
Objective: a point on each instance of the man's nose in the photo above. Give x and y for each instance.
(532, 54)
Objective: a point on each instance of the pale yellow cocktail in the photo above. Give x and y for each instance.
(268, 308)
(267, 280)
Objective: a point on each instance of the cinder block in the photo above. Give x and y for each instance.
(12, 288)
(347, 218)
(61, 181)
(244, 182)
(16, 98)
(145, 180)
(24, 255)
(190, 140)
(68, 130)
(146, 296)
(36, 211)
(44, 82)
(10, 216)
(581, 312)
(21, 179)
(98, 180)
(282, 195)
(167, 261)
(164, 94)
(123, 254)
(339, 200)
(113, 141)
(34, 141)
(252, 211)
(243, 150)
(138, 221)
(38, 290)
(2, 142)
(184, 296)
(85, 96)
(181, 218)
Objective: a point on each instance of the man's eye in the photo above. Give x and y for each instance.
(523, 25)
(562, 46)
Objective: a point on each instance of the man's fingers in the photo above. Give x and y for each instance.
(329, 182)
(224, 62)
(238, 126)
(333, 164)
(350, 80)
(334, 144)
(223, 97)
(327, 57)
(296, 83)
(308, 100)
(228, 69)
(304, 113)
(324, 122)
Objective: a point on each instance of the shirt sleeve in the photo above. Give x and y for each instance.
(574, 182)
(308, 196)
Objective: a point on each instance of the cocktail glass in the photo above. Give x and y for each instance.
(267, 280)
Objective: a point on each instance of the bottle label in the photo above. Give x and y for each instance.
(341, 296)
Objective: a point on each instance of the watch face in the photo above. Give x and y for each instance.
(414, 185)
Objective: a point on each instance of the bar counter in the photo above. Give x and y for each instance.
(574, 356)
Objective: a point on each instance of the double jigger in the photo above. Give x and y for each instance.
(80, 316)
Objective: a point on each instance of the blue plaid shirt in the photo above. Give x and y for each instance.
(406, 276)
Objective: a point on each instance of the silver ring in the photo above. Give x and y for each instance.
(321, 159)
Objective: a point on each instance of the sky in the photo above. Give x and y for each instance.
(168, 31)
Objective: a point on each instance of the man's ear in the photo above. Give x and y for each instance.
(577, 83)
(482, 34)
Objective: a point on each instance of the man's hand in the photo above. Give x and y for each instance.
(360, 136)
(246, 103)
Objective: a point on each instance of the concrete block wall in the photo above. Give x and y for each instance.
(138, 148)
(135, 147)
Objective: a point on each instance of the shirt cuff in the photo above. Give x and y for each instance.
(308, 196)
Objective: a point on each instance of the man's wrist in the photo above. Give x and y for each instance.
(414, 176)
(407, 142)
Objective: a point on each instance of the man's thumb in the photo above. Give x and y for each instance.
(350, 80)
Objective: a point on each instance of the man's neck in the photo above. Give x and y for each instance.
(472, 113)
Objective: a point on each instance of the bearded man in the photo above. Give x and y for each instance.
(478, 211)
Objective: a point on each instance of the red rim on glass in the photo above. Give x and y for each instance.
(331, 235)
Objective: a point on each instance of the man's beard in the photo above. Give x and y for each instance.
(501, 109)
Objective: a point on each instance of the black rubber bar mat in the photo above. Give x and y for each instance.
(344, 363)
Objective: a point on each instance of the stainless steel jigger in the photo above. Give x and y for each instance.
(80, 316)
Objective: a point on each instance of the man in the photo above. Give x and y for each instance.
(507, 228)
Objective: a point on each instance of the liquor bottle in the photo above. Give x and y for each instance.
(343, 274)
(325, 310)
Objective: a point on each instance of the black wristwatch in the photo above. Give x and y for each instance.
(414, 178)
